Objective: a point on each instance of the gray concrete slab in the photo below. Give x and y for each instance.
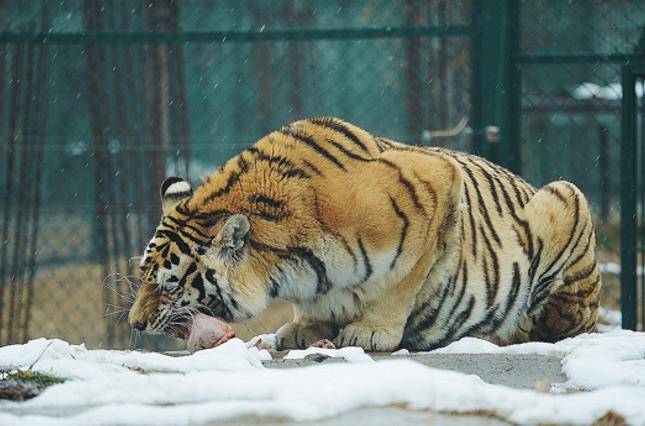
(387, 416)
(536, 372)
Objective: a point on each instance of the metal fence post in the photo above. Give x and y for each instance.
(497, 93)
(628, 203)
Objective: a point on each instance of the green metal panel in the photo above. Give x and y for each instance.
(628, 202)
(498, 79)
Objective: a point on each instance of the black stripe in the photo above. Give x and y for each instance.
(269, 216)
(404, 230)
(208, 219)
(524, 224)
(348, 249)
(280, 162)
(379, 145)
(482, 204)
(385, 142)
(489, 321)
(462, 291)
(309, 141)
(491, 287)
(581, 275)
(186, 225)
(233, 178)
(210, 277)
(406, 183)
(584, 252)
(534, 264)
(515, 181)
(458, 322)
(191, 269)
(322, 285)
(557, 194)
(571, 232)
(549, 278)
(198, 283)
(491, 185)
(322, 282)
(510, 299)
(181, 244)
(184, 233)
(366, 261)
(274, 287)
(538, 300)
(335, 125)
(430, 318)
(311, 167)
(349, 153)
(515, 288)
(473, 229)
(271, 202)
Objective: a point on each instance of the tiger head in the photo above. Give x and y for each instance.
(196, 264)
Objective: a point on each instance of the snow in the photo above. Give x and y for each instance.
(351, 354)
(268, 339)
(614, 268)
(123, 387)
(613, 91)
(76, 362)
(609, 319)
(590, 361)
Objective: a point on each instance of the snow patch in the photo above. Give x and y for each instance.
(268, 339)
(312, 393)
(62, 359)
(351, 354)
(133, 388)
(590, 361)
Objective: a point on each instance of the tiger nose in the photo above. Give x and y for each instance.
(139, 325)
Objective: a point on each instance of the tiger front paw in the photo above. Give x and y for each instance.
(301, 335)
(370, 337)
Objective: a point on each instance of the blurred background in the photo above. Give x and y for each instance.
(100, 100)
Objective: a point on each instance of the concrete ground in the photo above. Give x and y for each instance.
(518, 371)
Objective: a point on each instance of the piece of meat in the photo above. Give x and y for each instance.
(207, 332)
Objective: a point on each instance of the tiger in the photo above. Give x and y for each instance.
(374, 243)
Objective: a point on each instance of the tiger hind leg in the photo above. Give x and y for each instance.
(567, 283)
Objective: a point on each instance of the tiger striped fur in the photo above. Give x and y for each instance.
(375, 243)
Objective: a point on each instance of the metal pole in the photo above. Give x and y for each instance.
(628, 203)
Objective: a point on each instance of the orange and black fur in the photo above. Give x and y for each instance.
(375, 243)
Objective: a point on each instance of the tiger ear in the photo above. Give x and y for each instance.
(173, 190)
(231, 238)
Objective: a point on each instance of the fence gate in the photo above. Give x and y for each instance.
(633, 197)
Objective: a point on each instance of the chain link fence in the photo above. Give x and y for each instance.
(569, 61)
(100, 100)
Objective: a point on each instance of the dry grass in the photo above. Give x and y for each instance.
(68, 304)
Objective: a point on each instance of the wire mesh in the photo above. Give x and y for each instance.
(99, 100)
(98, 125)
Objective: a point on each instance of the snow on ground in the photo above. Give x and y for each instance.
(123, 387)
(351, 354)
(591, 361)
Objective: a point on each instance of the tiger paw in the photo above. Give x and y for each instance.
(370, 337)
(324, 343)
(301, 335)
